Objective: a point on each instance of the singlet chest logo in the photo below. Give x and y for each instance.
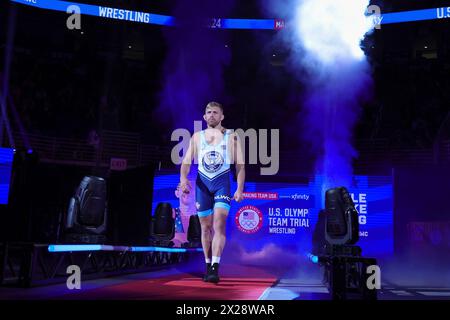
(212, 161)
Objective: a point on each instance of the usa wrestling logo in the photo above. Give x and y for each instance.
(212, 161)
(249, 219)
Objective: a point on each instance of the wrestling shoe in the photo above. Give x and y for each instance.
(208, 269)
(213, 275)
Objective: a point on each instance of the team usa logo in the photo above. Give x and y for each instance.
(212, 161)
(249, 219)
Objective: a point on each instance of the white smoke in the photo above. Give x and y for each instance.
(331, 30)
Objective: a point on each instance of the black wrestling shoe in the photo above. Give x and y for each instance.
(213, 275)
(208, 269)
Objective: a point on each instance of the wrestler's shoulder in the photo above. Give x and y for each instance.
(196, 136)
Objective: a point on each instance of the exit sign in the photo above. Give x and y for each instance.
(118, 164)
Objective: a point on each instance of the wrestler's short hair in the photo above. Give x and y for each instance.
(213, 104)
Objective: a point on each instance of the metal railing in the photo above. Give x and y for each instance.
(117, 144)
(112, 144)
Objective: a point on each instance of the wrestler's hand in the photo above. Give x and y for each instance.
(238, 196)
(185, 186)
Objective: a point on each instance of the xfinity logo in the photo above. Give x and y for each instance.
(300, 196)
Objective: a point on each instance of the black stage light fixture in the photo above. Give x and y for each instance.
(334, 239)
(194, 235)
(162, 229)
(342, 227)
(87, 214)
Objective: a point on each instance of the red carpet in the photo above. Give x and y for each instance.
(185, 286)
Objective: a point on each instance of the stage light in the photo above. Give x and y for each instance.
(342, 225)
(87, 214)
(30, 151)
(313, 258)
(194, 234)
(345, 268)
(162, 229)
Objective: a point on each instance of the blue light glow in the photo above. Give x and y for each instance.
(160, 249)
(252, 24)
(6, 160)
(99, 247)
(74, 247)
(313, 258)
(417, 15)
(144, 17)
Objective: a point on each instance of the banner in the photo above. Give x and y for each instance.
(218, 23)
(284, 215)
